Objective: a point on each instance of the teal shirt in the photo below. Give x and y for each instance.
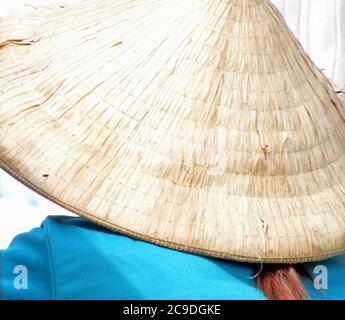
(71, 258)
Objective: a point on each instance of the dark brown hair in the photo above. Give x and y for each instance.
(282, 282)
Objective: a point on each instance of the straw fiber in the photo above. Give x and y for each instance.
(199, 125)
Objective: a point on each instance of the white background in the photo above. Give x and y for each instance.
(318, 24)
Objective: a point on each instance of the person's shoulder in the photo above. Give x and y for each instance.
(76, 232)
(139, 268)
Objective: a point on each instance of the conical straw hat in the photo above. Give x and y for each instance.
(202, 126)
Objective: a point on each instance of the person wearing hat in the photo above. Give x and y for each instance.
(199, 141)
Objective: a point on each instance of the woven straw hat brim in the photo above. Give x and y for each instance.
(202, 126)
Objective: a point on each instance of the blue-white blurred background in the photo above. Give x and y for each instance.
(318, 24)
